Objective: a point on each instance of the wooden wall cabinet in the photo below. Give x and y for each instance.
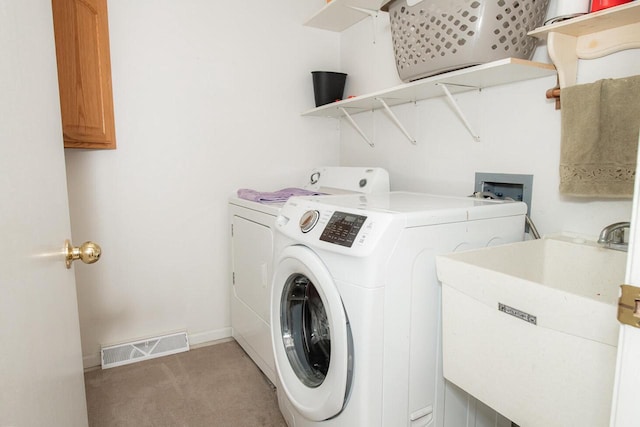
(84, 73)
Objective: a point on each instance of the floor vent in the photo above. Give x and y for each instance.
(123, 354)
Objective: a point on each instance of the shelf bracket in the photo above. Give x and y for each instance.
(395, 120)
(456, 107)
(355, 126)
(373, 14)
(370, 12)
(562, 51)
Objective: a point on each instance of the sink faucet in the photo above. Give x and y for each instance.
(612, 236)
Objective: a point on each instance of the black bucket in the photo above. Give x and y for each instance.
(328, 86)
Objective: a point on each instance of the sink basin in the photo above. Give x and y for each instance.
(530, 328)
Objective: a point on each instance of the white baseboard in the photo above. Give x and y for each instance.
(209, 336)
(91, 361)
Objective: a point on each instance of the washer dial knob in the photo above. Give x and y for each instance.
(309, 220)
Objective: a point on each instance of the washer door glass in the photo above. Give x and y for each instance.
(311, 335)
(305, 330)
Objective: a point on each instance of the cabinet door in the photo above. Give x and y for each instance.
(252, 253)
(84, 73)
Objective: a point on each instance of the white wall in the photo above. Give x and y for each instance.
(207, 98)
(519, 128)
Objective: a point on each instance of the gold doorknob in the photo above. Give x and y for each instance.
(88, 252)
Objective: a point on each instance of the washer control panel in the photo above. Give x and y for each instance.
(340, 229)
(343, 228)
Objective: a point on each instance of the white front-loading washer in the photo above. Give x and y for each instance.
(355, 312)
(252, 239)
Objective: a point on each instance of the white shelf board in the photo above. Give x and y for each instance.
(338, 15)
(495, 73)
(606, 19)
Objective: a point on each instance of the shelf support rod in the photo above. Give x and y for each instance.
(459, 111)
(395, 120)
(355, 126)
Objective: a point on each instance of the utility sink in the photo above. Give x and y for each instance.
(530, 328)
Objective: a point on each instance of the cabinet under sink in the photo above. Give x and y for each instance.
(530, 328)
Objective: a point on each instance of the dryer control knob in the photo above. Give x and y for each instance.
(309, 220)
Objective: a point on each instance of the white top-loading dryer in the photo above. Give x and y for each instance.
(252, 230)
(356, 304)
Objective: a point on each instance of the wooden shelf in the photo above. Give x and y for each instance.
(590, 36)
(618, 16)
(495, 73)
(338, 15)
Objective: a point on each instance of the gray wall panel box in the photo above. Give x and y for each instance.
(506, 186)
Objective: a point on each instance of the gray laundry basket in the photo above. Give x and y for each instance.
(435, 36)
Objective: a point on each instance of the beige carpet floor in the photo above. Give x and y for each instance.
(218, 385)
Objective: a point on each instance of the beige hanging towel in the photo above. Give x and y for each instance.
(599, 138)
